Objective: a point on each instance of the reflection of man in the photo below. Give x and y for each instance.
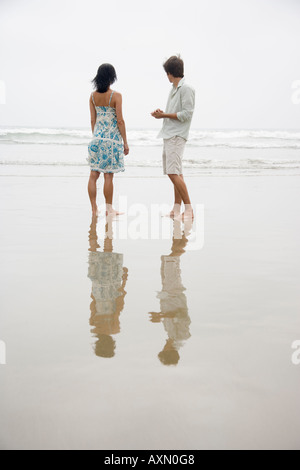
(108, 291)
(173, 302)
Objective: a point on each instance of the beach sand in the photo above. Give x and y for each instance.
(197, 344)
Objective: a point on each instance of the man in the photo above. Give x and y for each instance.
(175, 132)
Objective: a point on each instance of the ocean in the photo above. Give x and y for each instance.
(220, 152)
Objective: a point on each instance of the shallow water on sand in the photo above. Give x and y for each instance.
(70, 160)
(149, 344)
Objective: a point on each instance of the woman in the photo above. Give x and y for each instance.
(107, 149)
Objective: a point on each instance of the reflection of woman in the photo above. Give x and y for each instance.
(173, 302)
(108, 292)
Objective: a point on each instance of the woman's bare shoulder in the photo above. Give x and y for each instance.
(117, 95)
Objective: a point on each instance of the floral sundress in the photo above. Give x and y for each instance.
(106, 153)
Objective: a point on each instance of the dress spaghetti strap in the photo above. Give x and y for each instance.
(110, 98)
(93, 99)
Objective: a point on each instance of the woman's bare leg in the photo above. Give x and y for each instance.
(108, 191)
(92, 190)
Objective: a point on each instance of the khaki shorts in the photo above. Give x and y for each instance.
(172, 155)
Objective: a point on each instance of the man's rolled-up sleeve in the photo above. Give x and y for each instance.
(188, 105)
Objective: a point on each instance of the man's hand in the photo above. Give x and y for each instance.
(158, 114)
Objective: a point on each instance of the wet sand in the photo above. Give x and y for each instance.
(150, 344)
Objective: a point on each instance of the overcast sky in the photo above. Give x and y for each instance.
(242, 57)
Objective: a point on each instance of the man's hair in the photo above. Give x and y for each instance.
(174, 66)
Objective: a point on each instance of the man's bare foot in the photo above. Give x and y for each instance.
(175, 212)
(188, 215)
(188, 225)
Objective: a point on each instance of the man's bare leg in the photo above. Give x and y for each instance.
(175, 212)
(182, 190)
(92, 190)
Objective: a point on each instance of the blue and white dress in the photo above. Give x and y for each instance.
(106, 154)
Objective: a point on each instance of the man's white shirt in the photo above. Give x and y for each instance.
(181, 101)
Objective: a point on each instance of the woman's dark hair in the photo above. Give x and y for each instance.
(174, 66)
(105, 77)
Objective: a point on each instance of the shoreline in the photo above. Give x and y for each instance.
(70, 160)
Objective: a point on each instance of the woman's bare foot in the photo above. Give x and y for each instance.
(113, 213)
(95, 211)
